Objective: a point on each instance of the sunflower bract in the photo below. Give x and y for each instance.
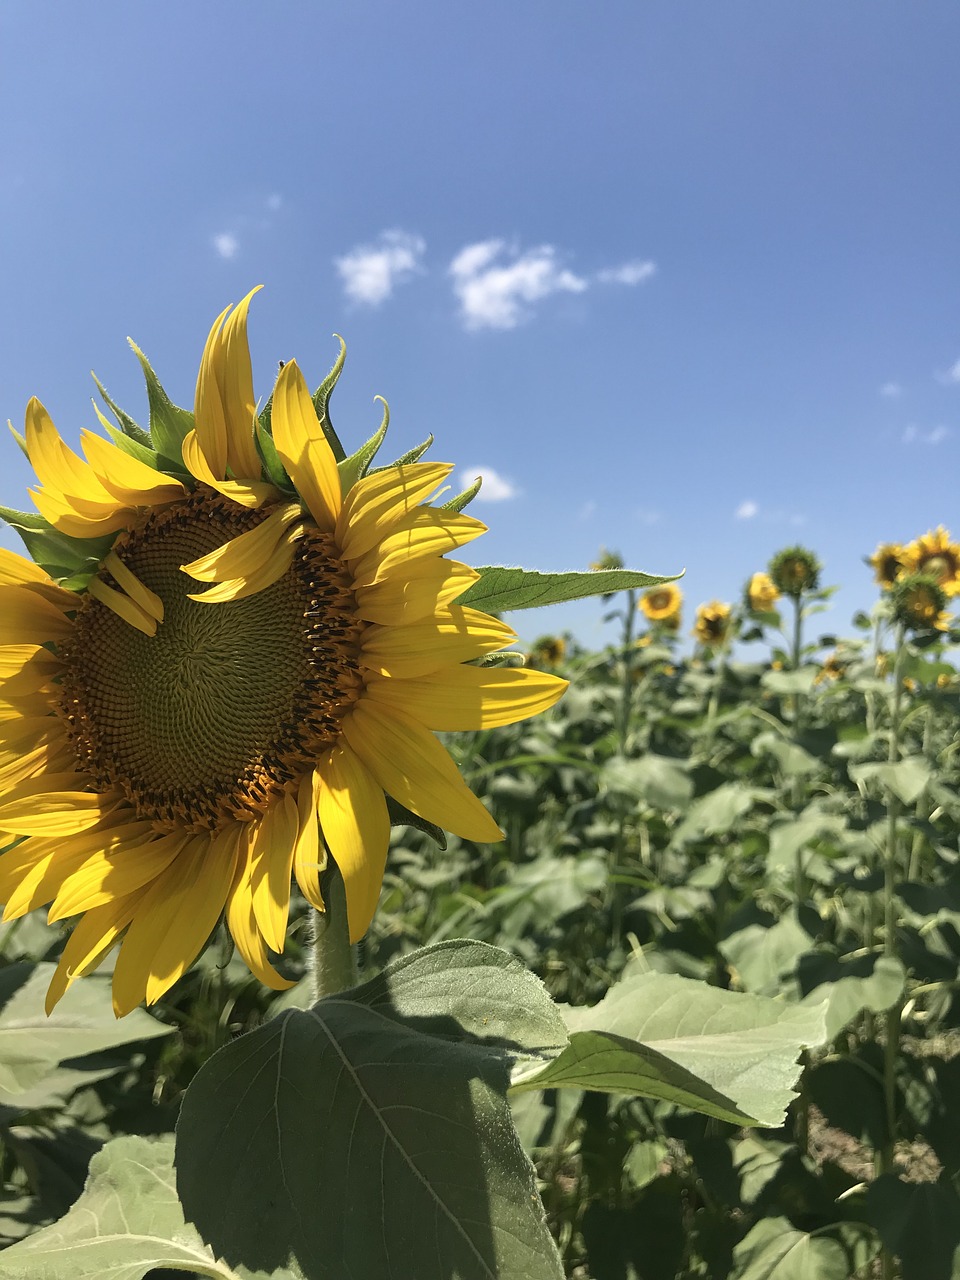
(247, 676)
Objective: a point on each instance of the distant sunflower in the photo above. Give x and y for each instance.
(918, 602)
(662, 604)
(260, 657)
(888, 562)
(762, 593)
(935, 554)
(713, 623)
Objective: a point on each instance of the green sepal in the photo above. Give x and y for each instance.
(321, 402)
(500, 588)
(19, 439)
(402, 817)
(130, 428)
(412, 455)
(269, 456)
(168, 422)
(357, 465)
(511, 658)
(462, 499)
(60, 555)
(126, 444)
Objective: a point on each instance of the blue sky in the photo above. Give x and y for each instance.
(681, 277)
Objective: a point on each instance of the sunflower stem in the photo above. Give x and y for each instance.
(334, 959)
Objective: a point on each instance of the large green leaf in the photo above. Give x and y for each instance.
(723, 1053)
(846, 996)
(920, 1223)
(31, 1043)
(660, 781)
(500, 589)
(906, 779)
(127, 1222)
(374, 1128)
(775, 1250)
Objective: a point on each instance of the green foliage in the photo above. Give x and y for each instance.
(500, 589)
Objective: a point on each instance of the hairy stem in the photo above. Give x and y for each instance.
(334, 959)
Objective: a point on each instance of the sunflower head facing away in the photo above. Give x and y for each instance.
(794, 571)
(888, 563)
(713, 623)
(935, 554)
(761, 593)
(240, 645)
(919, 603)
(662, 604)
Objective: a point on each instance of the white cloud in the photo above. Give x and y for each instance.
(495, 487)
(913, 434)
(226, 245)
(629, 273)
(952, 375)
(746, 510)
(497, 285)
(891, 390)
(371, 272)
(588, 510)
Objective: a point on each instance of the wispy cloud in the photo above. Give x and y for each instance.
(891, 390)
(628, 273)
(913, 434)
(647, 516)
(495, 487)
(746, 510)
(952, 375)
(226, 244)
(497, 285)
(371, 272)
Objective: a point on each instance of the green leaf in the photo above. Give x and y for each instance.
(127, 424)
(356, 466)
(789, 682)
(374, 1127)
(321, 401)
(907, 779)
(465, 497)
(920, 1223)
(500, 589)
(660, 781)
(717, 811)
(168, 422)
(775, 1250)
(762, 954)
(82, 1023)
(790, 756)
(126, 1223)
(60, 555)
(658, 1035)
(846, 996)
(790, 835)
(412, 455)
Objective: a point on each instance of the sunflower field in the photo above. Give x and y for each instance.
(678, 999)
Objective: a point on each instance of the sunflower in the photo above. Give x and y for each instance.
(794, 571)
(762, 593)
(255, 657)
(713, 623)
(547, 651)
(919, 603)
(888, 563)
(933, 553)
(662, 604)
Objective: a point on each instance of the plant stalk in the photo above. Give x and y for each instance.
(334, 965)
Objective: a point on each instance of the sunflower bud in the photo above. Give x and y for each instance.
(713, 623)
(794, 571)
(888, 563)
(761, 593)
(919, 602)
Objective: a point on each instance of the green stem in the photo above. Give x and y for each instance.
(334, 959)
(799, 881)
(923, 809)
(626, 691)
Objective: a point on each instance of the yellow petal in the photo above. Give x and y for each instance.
(115, 872)
(123, 607)
(38, 730)
(15, 570)
(175, 918)
(54, 813)
(247, 552)
(58, 468)
(309, 857)
(26, 617)
(378, 500)
(271, 571)
(24, 669)
(427, 531)
(356, 828)
(242, 924)
(452, 635)
(90, 942)
(148, 601)
(303, 449)
(126, 478)
(426, 587)
(411, 765)
(272, 857)
(469, 697)
(252, 494)
(211, 423)
(235, 380)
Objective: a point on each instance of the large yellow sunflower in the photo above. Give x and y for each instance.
(935, 554)
(662, 604)
(262, 654)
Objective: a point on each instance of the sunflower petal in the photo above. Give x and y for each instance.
(27, 617)
(272, 859)
(469, 697)
(427, 586)
(252, 494)
(379, 500)
(129, 610)
(242, 923)
(235, 380)
(114, 872)
(356, 828)
(427, 531)
(126, 478)
(454, 634)
(303, 449)
(16, 570)
(245, 553)
(280, 560)
(87, 946)
(146, 600)
(54, 813)
(175, 918)
(76, 525)
(411, 765)
(58, 468)
(309, 857)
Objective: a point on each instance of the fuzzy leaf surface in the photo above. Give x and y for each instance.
(501, 589)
